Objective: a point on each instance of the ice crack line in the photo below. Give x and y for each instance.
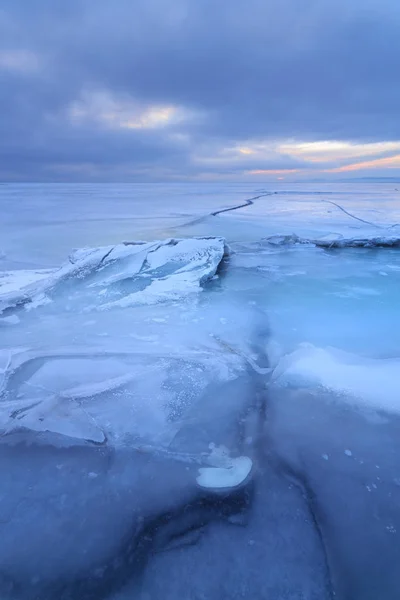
(247, 202)
(354, 216)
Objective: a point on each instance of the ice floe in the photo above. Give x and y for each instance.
(121, 275)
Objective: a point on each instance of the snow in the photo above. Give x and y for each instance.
(10, 281)
(366, 381)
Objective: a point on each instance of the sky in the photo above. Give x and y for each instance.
(199, 90)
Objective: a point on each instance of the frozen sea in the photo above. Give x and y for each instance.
(199, 391)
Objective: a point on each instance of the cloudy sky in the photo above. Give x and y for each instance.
(239, 90)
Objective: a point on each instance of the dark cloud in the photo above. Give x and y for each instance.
(254, 70)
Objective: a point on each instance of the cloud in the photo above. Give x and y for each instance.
(123, 113)
(175, 88)
(327, 151)
(389, 162)
(20, 61)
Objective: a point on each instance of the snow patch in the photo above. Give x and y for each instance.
(367, 381)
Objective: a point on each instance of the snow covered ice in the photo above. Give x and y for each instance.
(183, 373)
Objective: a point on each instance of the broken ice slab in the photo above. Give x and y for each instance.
(336, 240)
(123, 275)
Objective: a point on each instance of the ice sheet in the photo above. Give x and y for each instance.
(304, 259)
(54, 218)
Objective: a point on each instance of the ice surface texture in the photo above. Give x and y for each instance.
(137, 373)
(67, 391)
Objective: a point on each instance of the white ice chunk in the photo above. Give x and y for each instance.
(199, 258)
(229, 476)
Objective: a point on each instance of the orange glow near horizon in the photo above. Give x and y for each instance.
(343, 156)
(246, 150)
(328, 151)
(389, 162)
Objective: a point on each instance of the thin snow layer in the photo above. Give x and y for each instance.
(370, 382)
(121, 276)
